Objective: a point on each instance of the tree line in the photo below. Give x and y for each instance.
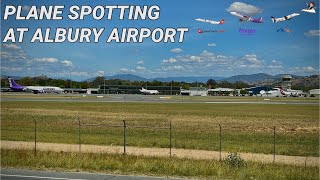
(67, 83)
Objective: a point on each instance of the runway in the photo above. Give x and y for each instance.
(136, 98)
(18, 174)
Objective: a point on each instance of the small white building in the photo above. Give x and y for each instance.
(195, 91)
(314, 92)
(92, 91)
(224, 91)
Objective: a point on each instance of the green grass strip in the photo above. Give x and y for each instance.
(154, 166)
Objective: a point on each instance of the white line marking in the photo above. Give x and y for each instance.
(37, 177)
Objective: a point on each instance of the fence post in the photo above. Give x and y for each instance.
(79, 134)
(220, 148)
(170, 138)
(274, 144)
(124, 137)
(35, 135)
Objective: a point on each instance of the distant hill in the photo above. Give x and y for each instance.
(249, 78)
(257, 78)
(131, 77)
(188, 79)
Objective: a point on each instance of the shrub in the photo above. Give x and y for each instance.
(234, 159)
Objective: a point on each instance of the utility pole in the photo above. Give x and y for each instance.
(71, 83)
(171, 87)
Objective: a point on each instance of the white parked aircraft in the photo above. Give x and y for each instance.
(210, 21)
(275, 92)
(279, 92)
(275, 20)
(35, 89)
(291, 92)
(146, 91)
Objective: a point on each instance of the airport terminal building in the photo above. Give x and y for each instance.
(124, 89)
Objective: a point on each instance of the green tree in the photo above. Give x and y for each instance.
(211, 83)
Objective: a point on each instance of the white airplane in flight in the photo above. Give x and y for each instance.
(146, 91)
(275, 20)
(35, 89)
(210, 21)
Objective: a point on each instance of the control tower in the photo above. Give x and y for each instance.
(286, 82)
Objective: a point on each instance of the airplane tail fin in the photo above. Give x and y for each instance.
(260, 19)
(16, 86)
(281, 91)
(273, 19)
(222, 21)
(12, 83)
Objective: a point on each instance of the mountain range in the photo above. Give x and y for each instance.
(250, 79)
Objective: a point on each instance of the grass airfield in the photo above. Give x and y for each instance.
(246, 127)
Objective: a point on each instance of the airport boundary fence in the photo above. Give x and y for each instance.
(125, 126)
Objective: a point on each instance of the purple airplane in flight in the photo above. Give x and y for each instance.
(244, 18)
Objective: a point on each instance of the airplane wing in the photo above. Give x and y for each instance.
(208, 21)
(309, 10)
(243, 18)
(239, 15)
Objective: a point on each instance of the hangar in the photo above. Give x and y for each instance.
(195, 91)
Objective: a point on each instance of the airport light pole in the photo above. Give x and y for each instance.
(104, 84)
(71, 83)
(171, 87)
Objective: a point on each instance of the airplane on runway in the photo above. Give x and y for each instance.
(35, 89)
(291, 92)
(279, 92)
(275, 92)
(151, 92)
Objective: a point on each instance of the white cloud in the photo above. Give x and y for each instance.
(243, 8)
(67, 63)
(176, 50)
(275, 65)
(193, 59)
(11, 46)
(174, 68)
(49, 60)
(80, 73)
(125, 70)
(304, 70)
(140, 62)
(140, 68)
(252, 58)
(312, 32)
(12, 69)
(207, 53)
(171, 60)
(99, 73)
(212, 45)
(308, 69)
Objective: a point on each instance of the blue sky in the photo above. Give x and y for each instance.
(207, 54)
